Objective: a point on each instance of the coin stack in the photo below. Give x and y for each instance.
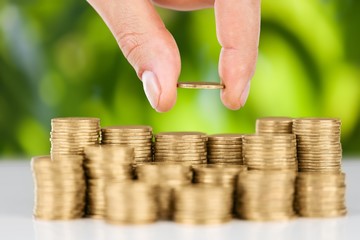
(270, 152)
(180, 147)
(165, 177)
(225, 148)
(266, 195)
(70, 135)
(203, 204)
(318, 144)
(132, 202)
(138, 137)
(215, 174)
(104, 163)
(320, 194)
(59, 187)
(274, 125)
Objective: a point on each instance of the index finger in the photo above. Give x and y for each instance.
(238, 29)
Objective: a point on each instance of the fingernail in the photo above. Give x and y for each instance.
(151, 88)
(245, 94)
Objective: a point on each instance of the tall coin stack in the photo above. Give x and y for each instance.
(165, 177)
(132, 202)
(137, 137)
(70, 135)
(320, 194)
(225, 148)
(59, 187)
(203, 204)
(318, 144)
(270, 152)
(105, 163)
(180, 147)
(266, 195)
(274, 125)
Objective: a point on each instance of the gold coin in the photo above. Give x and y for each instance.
(200, 85)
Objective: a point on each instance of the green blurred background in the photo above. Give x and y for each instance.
(59, 59)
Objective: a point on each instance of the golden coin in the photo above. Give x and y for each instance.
(200, 85)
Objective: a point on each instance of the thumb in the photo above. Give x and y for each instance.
(147, 45)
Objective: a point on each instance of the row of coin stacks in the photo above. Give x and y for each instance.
(320, 183)
(289, 167)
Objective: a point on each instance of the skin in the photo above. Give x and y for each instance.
(153, 53)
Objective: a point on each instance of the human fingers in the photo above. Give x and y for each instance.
(147, 45)
(238, 29)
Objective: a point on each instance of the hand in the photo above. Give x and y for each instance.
(152, 51)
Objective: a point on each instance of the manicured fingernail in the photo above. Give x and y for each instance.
(245, 94)
(151, 88)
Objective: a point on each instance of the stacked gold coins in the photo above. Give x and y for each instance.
(318, 144)
(320, 194)
(215, 174)
(130, 203)
(225, 148)
(137, 137)
(166, 177)
(59, 187)
(105, 163)
(270, 152)
(70, 135)
(180, 147)
(274, 125)
(203, 204)
(266, 195)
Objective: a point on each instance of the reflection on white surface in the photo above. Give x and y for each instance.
(319, 229)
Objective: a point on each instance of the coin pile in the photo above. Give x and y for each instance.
(225, 148)
(104, 163)
(203, 204)
(318, 144)
(180, 147)
(59, 187)
(274, 125)
(138, 137)
(132, 202)
(266, 195)
(270, 152)
(165, 177)
(70, 135)
(320, 194)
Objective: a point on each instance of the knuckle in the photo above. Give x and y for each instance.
(129, 42)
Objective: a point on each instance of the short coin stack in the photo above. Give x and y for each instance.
(203, 204)
(270, 152)
(70, 135)
(165, 177)
(105, 163)
(138, 137)
(216, 174)
(318, 144)
(274, 125)
(180, 147)
(59, 187)
(266, 195)
(225, 148)
(132, 202)
(320, 194)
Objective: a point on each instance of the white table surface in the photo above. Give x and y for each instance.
(16, 222)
